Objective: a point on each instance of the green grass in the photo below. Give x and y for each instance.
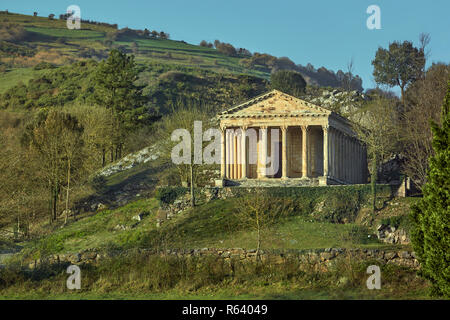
(267, 293)
(155, 277)
(11, 77)
(211, 225)
(66, 33)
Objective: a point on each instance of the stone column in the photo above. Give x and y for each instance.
(223, 153)
(350, 162)
(345, 162)
(330, 148)
(263, 151)
(338, 155)
(235, 160)
(325, 150)
(239, 154)
(228, 154)
(305, 130)
(333, 152)
(333, 141)
(284, 161)
(360, 164)
(353, 161)
(244, 153)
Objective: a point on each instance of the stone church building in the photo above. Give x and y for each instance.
(276, 139)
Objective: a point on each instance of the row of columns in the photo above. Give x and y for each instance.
(347, 157)
(343, 156)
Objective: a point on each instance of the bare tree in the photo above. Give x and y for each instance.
(183, 118)
(377, 128)
(424, 99)
(258, 211)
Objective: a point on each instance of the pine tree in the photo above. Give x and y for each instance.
(431, 215)
(115, 90)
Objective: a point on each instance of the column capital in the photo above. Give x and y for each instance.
(326, 127)
(284, 128)
(223, 127)
(305, 127)
(263, 127)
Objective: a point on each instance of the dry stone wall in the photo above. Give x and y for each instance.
(322, 258)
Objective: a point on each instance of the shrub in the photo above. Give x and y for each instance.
(431, 215)
(290, 82)
(44, 65)
(167, 195)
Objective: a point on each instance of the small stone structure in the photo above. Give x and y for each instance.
(317, 146)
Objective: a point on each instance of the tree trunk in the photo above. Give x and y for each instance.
(258, 247)
(103, 157)
(55, 200)
(18, 226)
(54, 195)
(192, 186)
(68, 191)
(50, 203)
(373, 183)
(402, 89)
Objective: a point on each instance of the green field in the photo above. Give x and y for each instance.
(46, 34)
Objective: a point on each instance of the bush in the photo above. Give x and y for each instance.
(431, 217)
(290, 82)
(393, 221)
(44, 65)
(167, 195)
(339, 207)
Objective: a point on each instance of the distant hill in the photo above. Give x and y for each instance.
(26, 41)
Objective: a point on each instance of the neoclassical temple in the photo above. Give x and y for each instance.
(277, 139)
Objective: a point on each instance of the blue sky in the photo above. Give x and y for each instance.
(323, 33)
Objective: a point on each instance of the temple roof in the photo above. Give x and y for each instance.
(274, 104)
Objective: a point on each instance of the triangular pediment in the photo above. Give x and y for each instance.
(274, 103)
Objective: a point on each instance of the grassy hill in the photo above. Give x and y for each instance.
(213, 224)
(53, 42)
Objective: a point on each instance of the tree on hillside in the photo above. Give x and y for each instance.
(376, 126)
(431, 215)
(287, 81)
(183, 119)
(115, 90)
(97, 131)
(73, 157)
(424, 99)
(17, 187)
(400, 65)
(259, 211)
(55, 138)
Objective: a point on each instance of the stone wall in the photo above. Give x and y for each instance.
(322, 258)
